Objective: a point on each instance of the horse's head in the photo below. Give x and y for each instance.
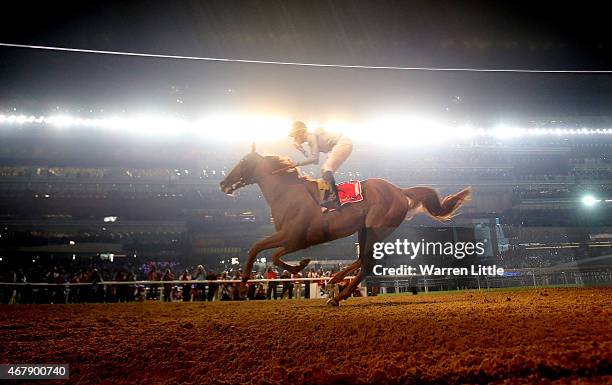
(243, 174)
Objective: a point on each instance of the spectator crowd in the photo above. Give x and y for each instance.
(90, 284)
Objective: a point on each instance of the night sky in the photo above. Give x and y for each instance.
(391, 33)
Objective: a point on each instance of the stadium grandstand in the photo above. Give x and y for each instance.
(71, 194)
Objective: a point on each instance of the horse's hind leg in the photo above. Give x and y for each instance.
(329, 287)
(353, 266)
(346, 271)
(348, 290)
(293, 269)
(369, 238)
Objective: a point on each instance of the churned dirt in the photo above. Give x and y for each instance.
(559, 336)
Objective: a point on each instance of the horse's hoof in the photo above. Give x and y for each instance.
(332, 302)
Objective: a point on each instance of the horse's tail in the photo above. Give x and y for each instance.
(429, 200)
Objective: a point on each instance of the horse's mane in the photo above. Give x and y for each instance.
(278, 162)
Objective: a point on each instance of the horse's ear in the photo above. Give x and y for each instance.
(253, 147)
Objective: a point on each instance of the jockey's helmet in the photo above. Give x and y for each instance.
(297, 128)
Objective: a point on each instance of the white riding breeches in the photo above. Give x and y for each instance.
(338, 154)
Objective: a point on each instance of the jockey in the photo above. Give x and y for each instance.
(339, 148)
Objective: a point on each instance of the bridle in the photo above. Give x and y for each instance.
(244, 181)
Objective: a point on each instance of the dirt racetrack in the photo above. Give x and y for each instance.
(545, 335)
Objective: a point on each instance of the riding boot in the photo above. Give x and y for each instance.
(332, 200)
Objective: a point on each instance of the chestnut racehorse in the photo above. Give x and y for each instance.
(299, 222)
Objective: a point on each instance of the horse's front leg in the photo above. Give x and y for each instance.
(293, 269)
(274, 240)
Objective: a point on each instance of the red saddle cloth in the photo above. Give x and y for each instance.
(350, 192)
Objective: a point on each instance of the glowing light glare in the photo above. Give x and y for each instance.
(590, 200)
(506, 132)
(467, 131)
(151, 125)
(361, 131)
(242, 127)
(146, 124)
(406, 131)
(403, 130)
(338, 126)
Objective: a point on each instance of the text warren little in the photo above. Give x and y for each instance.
(400, 270)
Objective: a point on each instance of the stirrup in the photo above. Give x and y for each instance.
(324, 189)
(332, 202)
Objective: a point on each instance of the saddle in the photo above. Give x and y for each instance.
(348, 192)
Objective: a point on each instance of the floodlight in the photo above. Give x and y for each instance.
(590, 200)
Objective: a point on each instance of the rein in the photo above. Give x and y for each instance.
(250, 179)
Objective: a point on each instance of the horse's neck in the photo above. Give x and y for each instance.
(282, 192)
